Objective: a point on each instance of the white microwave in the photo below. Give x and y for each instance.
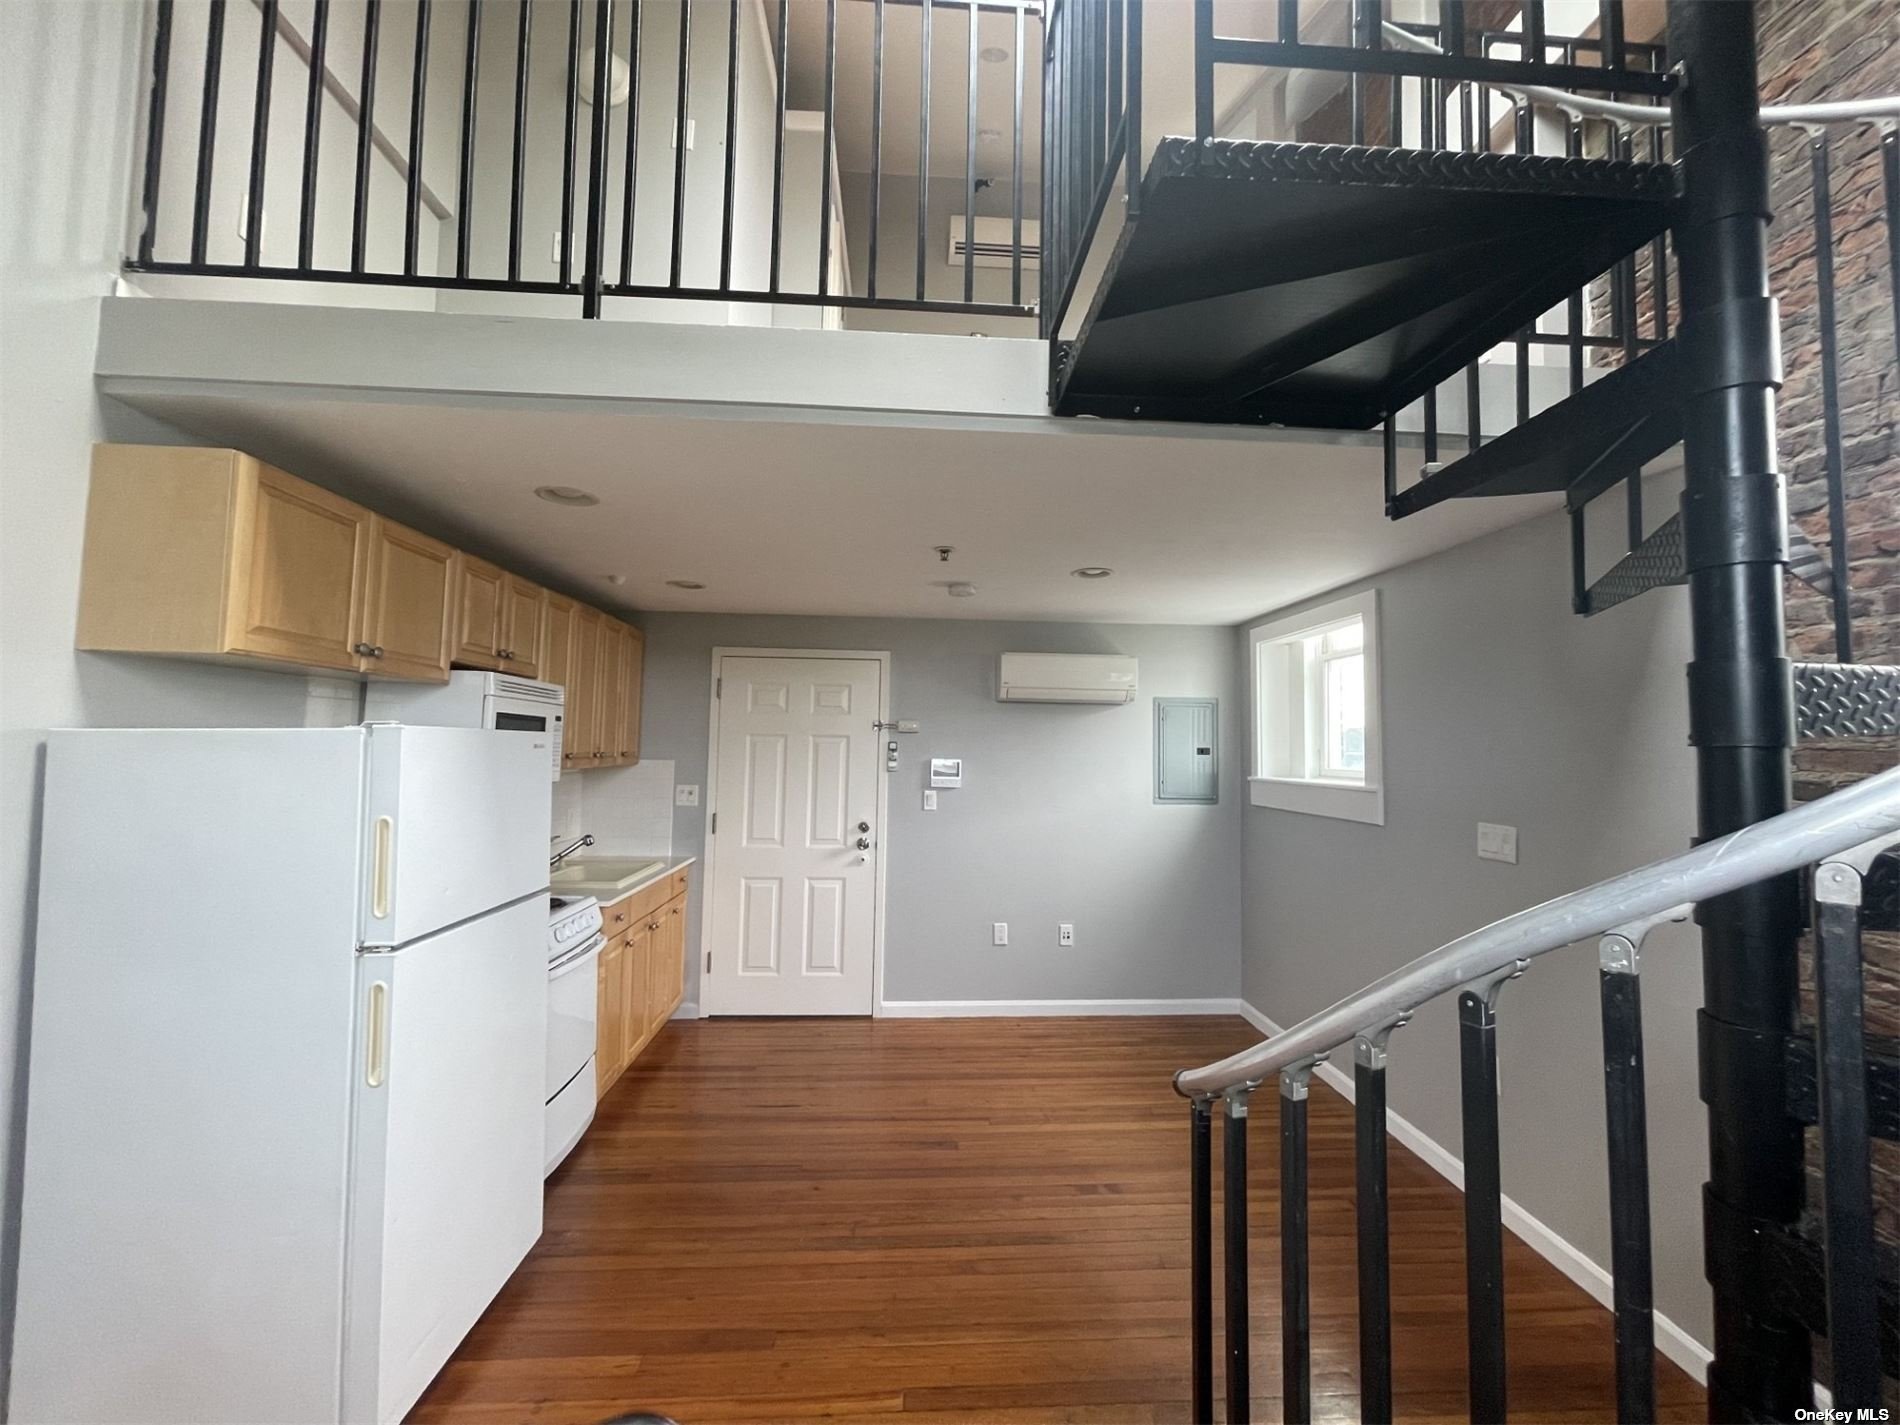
(475, 699)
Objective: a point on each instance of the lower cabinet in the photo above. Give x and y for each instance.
(642, 974)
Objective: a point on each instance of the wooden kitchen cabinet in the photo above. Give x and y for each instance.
(666, 964)
(643, 982)
(610, 1010)
(580, 741)
(557, 639)
(409, 615)
(523, 606)
(480, 606)
(209, 553)
(632, 680)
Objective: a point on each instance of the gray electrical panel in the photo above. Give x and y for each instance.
(1187, 753)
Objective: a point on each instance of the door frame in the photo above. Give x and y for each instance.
(710, 842)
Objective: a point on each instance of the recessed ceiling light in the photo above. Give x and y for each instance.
(1091, 571)
(566, 495)
(684, 584)
(993, 54)
(961, 591)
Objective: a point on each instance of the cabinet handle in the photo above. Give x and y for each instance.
(379, 873)
(377, 1068)
(377, 651)
(364, 650)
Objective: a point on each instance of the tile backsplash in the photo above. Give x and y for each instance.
(627, 810)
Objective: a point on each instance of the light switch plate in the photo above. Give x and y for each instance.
(999, 933)
(930, 799)
(1497, 843)
(686, 795)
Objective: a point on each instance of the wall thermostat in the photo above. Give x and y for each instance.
(946, 771)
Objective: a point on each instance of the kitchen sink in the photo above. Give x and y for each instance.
(604, 877)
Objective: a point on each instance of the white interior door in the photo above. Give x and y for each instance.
(794, 883)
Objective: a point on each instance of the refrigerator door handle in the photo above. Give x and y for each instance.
(377, 1069)
(379, 870)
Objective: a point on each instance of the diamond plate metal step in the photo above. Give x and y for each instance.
(1846, 700)
(1653, 564)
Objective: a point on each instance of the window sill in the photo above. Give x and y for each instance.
(1347, 801)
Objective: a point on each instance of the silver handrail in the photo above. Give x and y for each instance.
(1884, 111)
(1816, 831)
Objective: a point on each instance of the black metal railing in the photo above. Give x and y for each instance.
(434, 151)
(1828, 1277)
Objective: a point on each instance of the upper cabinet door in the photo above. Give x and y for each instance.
(478, 614)
(635, 680)
(410, 606)
(523, 606)
(613, 692)
(580, 745)
(299, 566)
(557, 640)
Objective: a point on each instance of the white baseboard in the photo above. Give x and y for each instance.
(1675, 1343)
(1038, 1008)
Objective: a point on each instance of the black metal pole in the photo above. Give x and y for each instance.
(208, 129)
(365, 128)
(418, 111)
(312, 132)
(523, 40)
(1201, 1190)
(593, 251)
(1890, 197)
(1626, 1124)
(465, 175)
(1821, 189)
(1734, 518)
(1234, 1277)
(1296, 1324)
(1484, 1207)
(1375, 1259)
(1840, 1054)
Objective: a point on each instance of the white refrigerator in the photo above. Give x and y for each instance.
(284, 1115)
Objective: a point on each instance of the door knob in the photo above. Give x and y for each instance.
(864, 843)
(864, 826)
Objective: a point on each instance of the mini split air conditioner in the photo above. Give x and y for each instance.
(994, 244)
(1065, 678)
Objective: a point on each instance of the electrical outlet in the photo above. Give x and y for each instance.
(1497, 843)
(999, 933)
(686, 795)
(930, 799)
(1065, 934)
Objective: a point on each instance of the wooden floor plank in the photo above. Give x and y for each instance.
(946, 1222)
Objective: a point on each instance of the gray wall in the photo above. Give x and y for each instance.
(1500, 705)
(1055, 820)
(70, 77)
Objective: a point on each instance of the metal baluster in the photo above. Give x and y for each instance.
(1364, 21)
(630, 160)
(1627, 1124)
(1375, 1259)
(1204, 63)
(1840, 1056)
(208, 129)
(594, 253)
(732, 144)
(1658, 260)
(1579, 585)
(312, 129)
(365, 128)
(1201, 1232)
(1296, 1324)
(1823, 205)
(1234, 1278)
(824, 155)
(923, 150)
(681, 124)
(969, 161)
(1015, 173)
(568, 140)
(1389, 443)
(877, 138)
(418, 109)
(1484, 1196)
(465, 186)
(155, 121)
(260, 134)
(1573, 308)
(517, 178)
(778, 142)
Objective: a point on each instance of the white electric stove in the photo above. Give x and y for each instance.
(574, 941)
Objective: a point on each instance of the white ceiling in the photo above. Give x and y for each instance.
(811, 517)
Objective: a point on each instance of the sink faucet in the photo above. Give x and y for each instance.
(554, 861)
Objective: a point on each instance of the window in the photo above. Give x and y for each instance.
(1316, 712)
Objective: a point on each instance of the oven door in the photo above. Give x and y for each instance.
(573, 995)
(508, 714)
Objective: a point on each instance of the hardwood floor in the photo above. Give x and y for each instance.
(962, 1220)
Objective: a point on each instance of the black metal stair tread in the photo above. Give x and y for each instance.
(1326, 285)
(1582, 444)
